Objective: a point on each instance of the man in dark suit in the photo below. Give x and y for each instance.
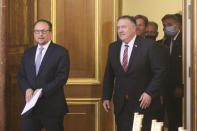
(133, 75)
(44, 66)
(174, 88)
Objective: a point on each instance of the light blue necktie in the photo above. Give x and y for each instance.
(38, 59)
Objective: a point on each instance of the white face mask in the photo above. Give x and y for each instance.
(169, 31)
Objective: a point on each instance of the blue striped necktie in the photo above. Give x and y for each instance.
(38, 59)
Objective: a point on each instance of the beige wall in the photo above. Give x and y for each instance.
(153, 9)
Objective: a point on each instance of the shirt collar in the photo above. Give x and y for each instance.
(131, 42)
(176, 35)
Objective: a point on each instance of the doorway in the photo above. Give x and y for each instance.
(155, 10)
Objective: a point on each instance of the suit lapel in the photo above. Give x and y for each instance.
(136, 46)
(177, 42)
(118, 53)
(46, 57)
(32, 62)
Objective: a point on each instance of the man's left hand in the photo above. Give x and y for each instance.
(36, 92)
(145, 100)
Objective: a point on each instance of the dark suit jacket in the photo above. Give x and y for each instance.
(175, 65)
(164, 54)
(52, 76)
(144, 74)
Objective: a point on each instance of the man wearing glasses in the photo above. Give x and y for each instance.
(44, 66)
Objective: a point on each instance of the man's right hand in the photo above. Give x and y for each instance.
(29, 94)
(106, 105)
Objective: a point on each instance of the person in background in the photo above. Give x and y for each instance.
(162, 52)
(174, 88)
(151, 30)
(141, 23)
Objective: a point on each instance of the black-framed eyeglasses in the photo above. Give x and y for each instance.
(41, 31)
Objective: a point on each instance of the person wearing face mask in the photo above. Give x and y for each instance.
(174, 88)
(151, 30)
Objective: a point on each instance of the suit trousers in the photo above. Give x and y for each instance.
(124, 119)
(174, 113)
(36, 121)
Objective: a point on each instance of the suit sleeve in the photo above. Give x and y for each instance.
(108, 82)
(61, 75)
(22, 79)
(158, 70)
(177, 61)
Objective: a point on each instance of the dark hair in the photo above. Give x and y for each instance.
(45, 21)
(131, 18)
(153, 23)
(179, 17)
(171, 16)
(144, 18)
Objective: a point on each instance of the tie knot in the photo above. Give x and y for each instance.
(41, 49)
(126, 46)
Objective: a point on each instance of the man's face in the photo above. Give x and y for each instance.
(126, 30)
(170, 22)
(42, 34)
(141, 28)
(151, 30)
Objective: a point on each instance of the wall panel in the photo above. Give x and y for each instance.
(20, 37)
(76, 32)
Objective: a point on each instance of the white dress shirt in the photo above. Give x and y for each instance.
(130, 48)
(43, 51)
(171, 43)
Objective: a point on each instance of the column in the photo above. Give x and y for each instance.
(3, 35)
